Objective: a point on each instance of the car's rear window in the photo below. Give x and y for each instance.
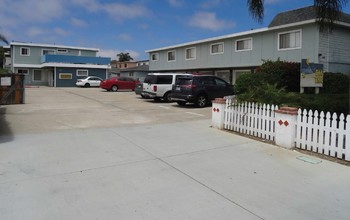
(184, 81)
(159, 79)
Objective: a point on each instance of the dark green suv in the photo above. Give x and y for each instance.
(199, 89)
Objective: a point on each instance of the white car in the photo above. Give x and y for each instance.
(89, 81)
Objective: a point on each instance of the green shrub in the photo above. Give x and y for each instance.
(335, 83)
(284, 74)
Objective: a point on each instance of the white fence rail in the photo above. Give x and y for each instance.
(318, 132)
(251, 119)
(323, 133)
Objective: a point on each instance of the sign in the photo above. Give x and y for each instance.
(311, 74)
(5, 81)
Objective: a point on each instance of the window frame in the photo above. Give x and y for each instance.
(156, 55)
(244, 39)
(171, 51)
(85, 70)
(21, 52)
(60, 76)
(211, 48)
(289, 32)
(195, 53)
(61, 50)
(26, 70)
(52, 50)
(41, 75)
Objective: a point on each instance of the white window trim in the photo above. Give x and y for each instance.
(195, 53)
(251, 46)
(168, 56)
(223, 48)
(287, 32)
(42, 51)
(41, 72)
(24, 69)
(20, 51)
(60, 77)
(157, 56)
(87, 72)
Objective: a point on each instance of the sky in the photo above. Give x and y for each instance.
(132, 26)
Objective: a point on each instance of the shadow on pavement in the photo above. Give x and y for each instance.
(6, 134)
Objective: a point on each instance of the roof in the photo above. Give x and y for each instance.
(143, 68)
(52, 46)
(300, 15)
(295, 17)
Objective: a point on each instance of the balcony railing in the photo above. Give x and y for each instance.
(53, 58)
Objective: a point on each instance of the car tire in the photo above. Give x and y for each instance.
(182, 103)
(114, 88)
(87, 85)
(166, 97)
(201, 101)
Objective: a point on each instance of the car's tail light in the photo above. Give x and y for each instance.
(190, 86)
(155, 88)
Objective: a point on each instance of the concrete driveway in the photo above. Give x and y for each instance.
(136, 159)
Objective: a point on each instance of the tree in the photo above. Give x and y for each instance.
(122, 57)
(3, 39)
(327, 11)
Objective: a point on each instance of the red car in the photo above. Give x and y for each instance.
(119, 82)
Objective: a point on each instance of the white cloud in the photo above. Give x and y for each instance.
(176, 3)
(35, 31)
(211, 3)
(118, 11)
(77, 22)
(123, 11)
(208, 20)
(124, 37)
(61, 32)
(272, 1)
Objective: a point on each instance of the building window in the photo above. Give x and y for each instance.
(125, 65)
(65, 76)
(82, 72)
(244, 44)
(171, 56)
(217, 48)
(191, 53)
(37, 76)
(289, 40)
(24, 51)
(23, 71)
(155, 57)
(48, 51)
(62, 50)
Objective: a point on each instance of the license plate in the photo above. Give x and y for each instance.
(177, 88)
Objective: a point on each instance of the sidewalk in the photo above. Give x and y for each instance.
(168, 171)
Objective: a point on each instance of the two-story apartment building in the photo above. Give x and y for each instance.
(56, 65)
(291, 36)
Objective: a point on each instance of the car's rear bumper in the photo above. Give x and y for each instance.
(150, 95)
(181, 98)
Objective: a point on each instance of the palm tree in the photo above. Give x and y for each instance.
(124, 57)
(3, 39)
(327, 11)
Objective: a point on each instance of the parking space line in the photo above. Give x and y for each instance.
(162, 106)
(192, 113)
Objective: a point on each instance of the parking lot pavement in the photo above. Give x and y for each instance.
(158, 170)
(48, 109)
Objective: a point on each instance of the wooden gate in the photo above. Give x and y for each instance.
(11, 89)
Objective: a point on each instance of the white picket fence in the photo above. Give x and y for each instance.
(251, 119)
(323, 133)
(317, 132)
